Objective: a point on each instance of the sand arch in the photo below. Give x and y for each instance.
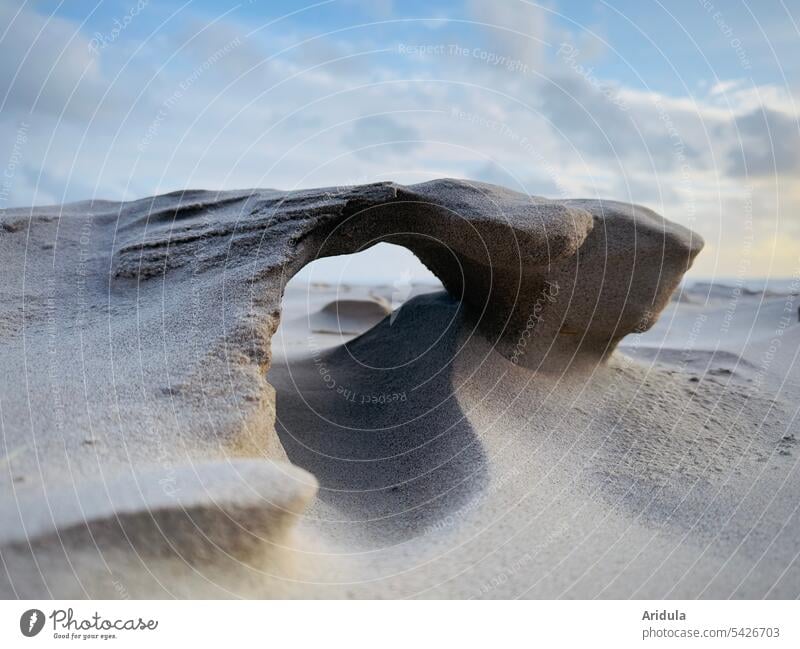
(551, 284)
(504, 254)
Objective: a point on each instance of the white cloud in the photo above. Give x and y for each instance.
(381, 135)
(513, 28)
(770, 144)
(300, 120)
(47, 65)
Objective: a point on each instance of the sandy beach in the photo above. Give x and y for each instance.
(181, 420)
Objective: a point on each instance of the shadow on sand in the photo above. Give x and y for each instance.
(377, 422)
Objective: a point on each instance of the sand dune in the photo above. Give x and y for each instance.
(349, 316)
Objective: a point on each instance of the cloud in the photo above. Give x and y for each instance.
(586, 117)
(378, 8)
(206, 41)
(556, 125)
(649, 131)
(513, 28)
(770, 144)
(336, 59)
(47, 65)
(376, 136)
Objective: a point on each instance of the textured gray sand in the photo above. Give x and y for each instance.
(484, 442)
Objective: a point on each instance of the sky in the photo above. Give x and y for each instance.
(687, 107)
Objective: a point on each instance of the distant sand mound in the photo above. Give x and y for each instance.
(349, 316)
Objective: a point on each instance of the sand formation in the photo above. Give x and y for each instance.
(344, 316)
(152, 323)
(615, 265)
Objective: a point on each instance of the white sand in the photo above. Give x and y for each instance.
(640, 479)
(158, 441)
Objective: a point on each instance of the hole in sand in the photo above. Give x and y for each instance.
(362, 371)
